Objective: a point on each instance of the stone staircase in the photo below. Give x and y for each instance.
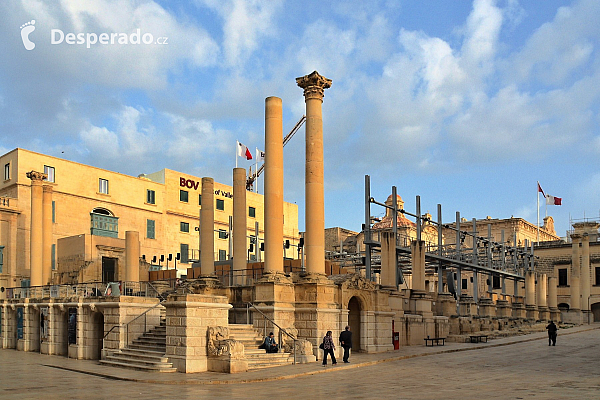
(147, 353)
(257, 358)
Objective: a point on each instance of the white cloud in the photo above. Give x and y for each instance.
(245, 24)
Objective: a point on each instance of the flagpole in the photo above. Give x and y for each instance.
(256, 171)
(237, 144)
(538, 212)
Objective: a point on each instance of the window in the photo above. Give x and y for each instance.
(150, 224)
(48, 170)
(53, 212)
(496, 282)
(223, 234)
(220, 204)
(6, 171)
(184, 251)
(1, 257)
(562, 277)
(222, 255)
(53, 257)
(199, 199)
(150, 196)
(252, 212)
(184, 227)
(183, 196)
(597, 269)
(464, 284)
(103, 186)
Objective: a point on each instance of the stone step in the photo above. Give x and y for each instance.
(144, 353)
(124, 358)
(142, 356)
(139, 367)
(150, 340)
(148, 347)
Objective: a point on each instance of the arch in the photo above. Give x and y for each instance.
(595, 308)
(563, 306)
(354, 321)
(102, 211)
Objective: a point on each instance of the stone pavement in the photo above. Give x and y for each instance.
(515, 367)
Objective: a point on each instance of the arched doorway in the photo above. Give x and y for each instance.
(596, 311)
(354, 322)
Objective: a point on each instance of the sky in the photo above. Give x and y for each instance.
(466, 104)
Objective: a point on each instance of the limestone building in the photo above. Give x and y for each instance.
(87, 212)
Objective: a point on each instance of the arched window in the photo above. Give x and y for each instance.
(102, 211)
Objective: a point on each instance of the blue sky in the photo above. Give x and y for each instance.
(466, 104)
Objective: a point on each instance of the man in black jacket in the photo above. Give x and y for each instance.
(552, 333)
(346, 342)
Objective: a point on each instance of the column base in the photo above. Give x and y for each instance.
(543, 313)
(519, 311)
(555, 314)
(486, 307)
(445, 305)
(503, 309)
(467, 306)
(531, 312)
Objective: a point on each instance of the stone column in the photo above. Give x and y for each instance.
(207, 226)
(418, 265)
(274, 186)
(529, 288)
(575, 275)
(47, 235)
(585, 274)
(314, 244)
(132, 256)
(542, 289)
(553, 299)
(530, 306)
(36, 232)
(239, 225)
(388, 252)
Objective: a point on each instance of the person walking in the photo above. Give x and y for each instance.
(346, 342)
(328, 347)
(552, 329)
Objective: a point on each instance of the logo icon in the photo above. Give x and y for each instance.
(26, 29)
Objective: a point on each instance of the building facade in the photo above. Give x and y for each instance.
(92, 209)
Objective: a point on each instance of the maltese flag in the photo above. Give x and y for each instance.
(553, 201)
(243, 151)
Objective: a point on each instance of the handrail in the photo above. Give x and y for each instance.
(139, 316)
(274, 323)
(157, 292)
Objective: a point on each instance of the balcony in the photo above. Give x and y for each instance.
(105, 225)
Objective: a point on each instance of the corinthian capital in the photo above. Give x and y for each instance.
(37, 176)
(314, 85)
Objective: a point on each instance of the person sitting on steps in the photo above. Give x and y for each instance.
(270, 345)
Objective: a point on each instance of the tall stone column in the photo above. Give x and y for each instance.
(542, 302)
(542, 290)
(418, 265)
(388, 252)
(274, 186)
(529, 288)
(47, 234)
(36, 232)
(132, 256)
(585, 273)
(207, 226)
(314, 242)
(239, 225)
(553, 298)
(575, 274)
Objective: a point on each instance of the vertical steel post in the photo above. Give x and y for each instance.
(503, 263)
(458, 256)
(489, 260)
(418, 212)
(476, 262)
(368, 227)
(395, 233)
(256, 247)
(440, 264)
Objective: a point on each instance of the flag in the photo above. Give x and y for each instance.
(553, 201)
(243, 151)
(260, 156)
(540, 190)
